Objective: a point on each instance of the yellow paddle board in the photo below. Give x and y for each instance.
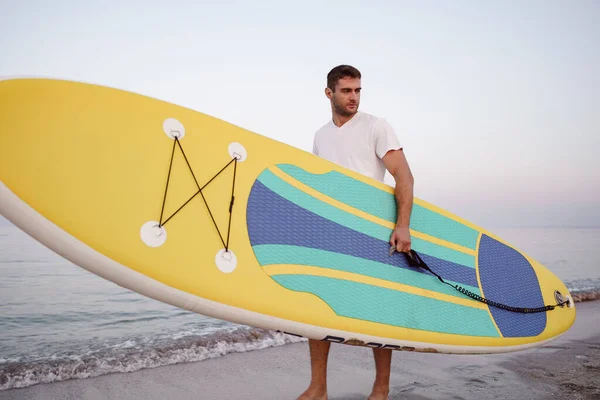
(204, 215)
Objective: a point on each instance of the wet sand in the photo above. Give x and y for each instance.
(567, 368)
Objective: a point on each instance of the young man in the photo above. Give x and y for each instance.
(368, 145)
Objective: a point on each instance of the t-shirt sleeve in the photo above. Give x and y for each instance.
(385, 138)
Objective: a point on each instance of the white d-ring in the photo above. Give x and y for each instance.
(226, 261)
(236, 150)
(153, 234)
(173, 128)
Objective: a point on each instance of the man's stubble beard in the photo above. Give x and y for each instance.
(340, 110)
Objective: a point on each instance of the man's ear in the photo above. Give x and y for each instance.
(328, 93)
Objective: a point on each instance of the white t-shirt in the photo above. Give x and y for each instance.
(359, 144)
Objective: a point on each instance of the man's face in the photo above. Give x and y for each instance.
(346, 97)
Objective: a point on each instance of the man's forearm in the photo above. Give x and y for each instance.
(404, 200)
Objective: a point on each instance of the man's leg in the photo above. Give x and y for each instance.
(383, 363)
(319, 351)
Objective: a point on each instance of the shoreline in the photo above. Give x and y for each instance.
(567, 367)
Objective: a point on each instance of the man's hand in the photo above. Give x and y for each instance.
(401, 239)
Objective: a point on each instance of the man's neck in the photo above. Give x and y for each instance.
(340, 120)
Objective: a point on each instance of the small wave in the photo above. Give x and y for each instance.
(585, 295)
(130, 320)
(125, 358)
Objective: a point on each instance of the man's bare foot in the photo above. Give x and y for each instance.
(314, 394)
(379, 394)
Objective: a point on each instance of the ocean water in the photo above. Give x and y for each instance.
(58, 321)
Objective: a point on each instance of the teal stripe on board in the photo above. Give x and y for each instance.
(441, 252)
(271, 254)
(386, 306)
(356, 223)
(383, 205)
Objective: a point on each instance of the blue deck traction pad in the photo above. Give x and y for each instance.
(285, 227)
(276, 224)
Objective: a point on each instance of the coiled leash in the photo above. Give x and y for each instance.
(415, 260)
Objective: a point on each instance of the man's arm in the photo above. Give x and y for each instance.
(396, 163)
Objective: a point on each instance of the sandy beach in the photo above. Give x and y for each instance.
(567, 368)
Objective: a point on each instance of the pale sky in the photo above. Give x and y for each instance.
(497, 102)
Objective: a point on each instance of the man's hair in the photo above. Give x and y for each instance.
(340, 72)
